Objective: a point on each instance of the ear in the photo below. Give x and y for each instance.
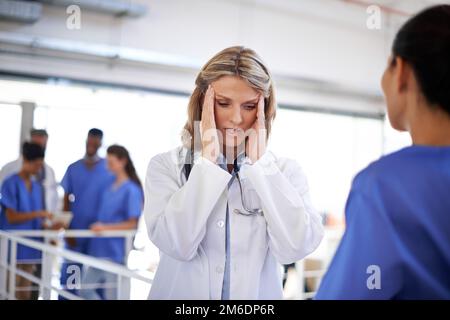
(402, 72)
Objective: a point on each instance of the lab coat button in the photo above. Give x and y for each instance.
(219, 269)
(220, 223)
(236, 211)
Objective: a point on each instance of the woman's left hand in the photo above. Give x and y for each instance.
(256, 143)
(98, 227)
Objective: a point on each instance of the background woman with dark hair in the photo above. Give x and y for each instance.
(397, 242)
(120, 208)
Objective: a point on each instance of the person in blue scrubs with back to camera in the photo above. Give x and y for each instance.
(83, 183)
(22, 205)
(397, 241)
(120, 208)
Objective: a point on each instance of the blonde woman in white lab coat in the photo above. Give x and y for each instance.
(223, 210)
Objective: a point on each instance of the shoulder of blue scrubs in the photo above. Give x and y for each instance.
(8, 199)
(9, 191)
(75, 165)
(135, 200)
(66, 182)
(367, 252)
(381, 168)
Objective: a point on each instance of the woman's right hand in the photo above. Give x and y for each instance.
(208, 130)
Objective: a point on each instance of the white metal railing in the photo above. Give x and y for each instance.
(328, 245)
(9, 240)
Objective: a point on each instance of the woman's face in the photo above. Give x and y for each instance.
(235, 108)
(391, 83)
(115, 165)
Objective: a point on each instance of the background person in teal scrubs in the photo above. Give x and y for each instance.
(120, 208)
(397, 241)
(22, 209)
(83, 183)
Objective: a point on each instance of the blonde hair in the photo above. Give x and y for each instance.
(233, 61)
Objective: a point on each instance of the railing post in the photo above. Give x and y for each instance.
(12, 271)
(3, 266)
(128, 245)
(300, 268)
(124, 283)
(46, 272)
(123, 288)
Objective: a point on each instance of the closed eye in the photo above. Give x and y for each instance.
(223, 104)
(245, 106)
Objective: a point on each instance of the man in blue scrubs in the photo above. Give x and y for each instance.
(23, 209)
(397, 241)
(83, 183)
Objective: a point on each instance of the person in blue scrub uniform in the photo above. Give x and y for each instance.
(23, 209)
(397, 241)
(120, 208)
(83, 183)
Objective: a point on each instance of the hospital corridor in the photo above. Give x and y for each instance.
(224, 150)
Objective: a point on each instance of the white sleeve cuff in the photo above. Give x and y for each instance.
(265, 165)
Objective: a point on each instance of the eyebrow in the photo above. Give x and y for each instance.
(226, 98)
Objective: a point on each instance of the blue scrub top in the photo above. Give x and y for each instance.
(86, 185)
(16, 196)
(397, 241)
(118, 204)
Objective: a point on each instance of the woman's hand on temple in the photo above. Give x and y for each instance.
(208, 130)
(256, 142)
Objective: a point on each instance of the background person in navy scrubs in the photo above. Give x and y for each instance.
(397, 241)
(120, 208)
(23, 209)
(83, 183)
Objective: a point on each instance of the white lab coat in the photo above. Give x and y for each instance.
(186, 221)
(50, 185)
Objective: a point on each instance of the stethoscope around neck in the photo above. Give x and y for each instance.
(236, 168)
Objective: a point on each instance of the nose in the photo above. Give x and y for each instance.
(236, 117)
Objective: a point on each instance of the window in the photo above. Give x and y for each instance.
(331, 149)
(10, 115)
(145, 123)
